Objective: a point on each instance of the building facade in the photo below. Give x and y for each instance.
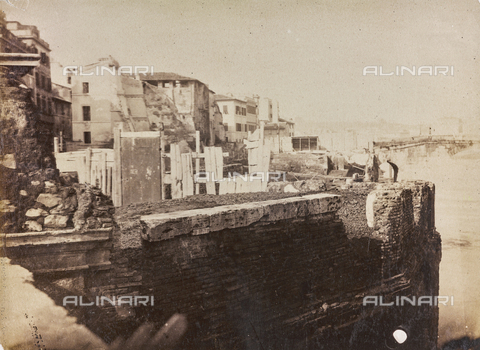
(102, 102)
(267, 109)
(216, 121)
(25, 39)
(239, 116)
(62, 112)
(191, 98)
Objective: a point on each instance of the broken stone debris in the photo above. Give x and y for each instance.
(49, 200)
(81, 206)
(35, 213)
(31, 225)
(56, 221)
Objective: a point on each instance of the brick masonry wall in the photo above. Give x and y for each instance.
(286, 276)
(404, 219)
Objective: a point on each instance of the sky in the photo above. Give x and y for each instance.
(309, 55)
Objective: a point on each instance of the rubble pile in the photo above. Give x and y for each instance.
(300, 186)
(46, 201)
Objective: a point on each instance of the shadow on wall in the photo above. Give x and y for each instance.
(395, 170)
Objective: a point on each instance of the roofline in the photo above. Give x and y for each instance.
(53, 83)
(229, 99)
(143, 76)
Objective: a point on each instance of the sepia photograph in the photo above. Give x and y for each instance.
(239, 175)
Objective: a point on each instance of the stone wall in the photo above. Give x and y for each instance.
(404, 220)
(42, 200)
(284, 274)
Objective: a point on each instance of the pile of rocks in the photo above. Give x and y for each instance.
(79, 206)
(302, 186)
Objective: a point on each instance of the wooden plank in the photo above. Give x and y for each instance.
(249, 157)
(265, 166)
(117, 169)
(210, 168)
(241, 185)
(253, 160)
(162, 164)
(92, 175)
(223, 187)
(96, 176)
(178, 162)
(88, 163)
(187, 174)
(252, 144)
(82, 171)
(173, 171)
(265, 161)
(109, 181)
(218, 163)
(176, 172)
(256, 185)
(196, 155)
(231, 186)
(197, 160)
(104, 172)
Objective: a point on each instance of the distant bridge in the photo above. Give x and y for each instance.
(409, 150)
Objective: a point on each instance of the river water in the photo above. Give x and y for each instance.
(457, 216)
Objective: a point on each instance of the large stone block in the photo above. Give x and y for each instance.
(35, 213)
(56, 221)
(164, 226)
(49, 200)
(32, 226)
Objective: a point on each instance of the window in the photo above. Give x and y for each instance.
(43, 82)
(251, 128)
(251, 110)
(37, 79)
(238, 110)
(87, 137)
(239, 127)
(225, 109)
(69, 80)
(85, 88)
(226, 127)
(86, 113)
(244, 111)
